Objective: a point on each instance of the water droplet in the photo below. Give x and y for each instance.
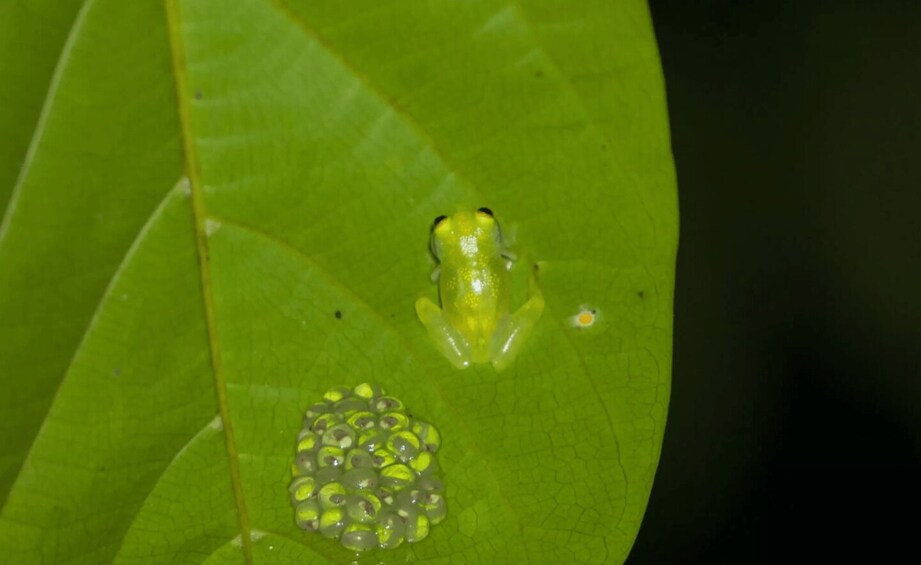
(434, 507)
(367, 391)
(382, 458)
(428, 435)
(305, 463)
(330, 456)
(423, 463)
(332, 522)
(362, 420)
(397, 476)
(387, 404)
(357, 458)
(341, 435)
(394, 421)
(316, 410)
(404, 444)
(308, 515)
(328, 475)
(337, 393)
(363, 507)
(372, 439)
(307, 443)
(390, 530)
(302, 488)
(351, 404)
(331, 495)
(418, 529)
(360, 479)
(359, 537)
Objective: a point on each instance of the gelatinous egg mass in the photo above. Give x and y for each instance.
(365, 471)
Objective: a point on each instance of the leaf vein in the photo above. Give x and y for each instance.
(199, 216)
(604, 408)
(39, 132)
(94, 319)
(211, 426)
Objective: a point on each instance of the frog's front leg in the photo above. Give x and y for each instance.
(513, 330)
(450, 342)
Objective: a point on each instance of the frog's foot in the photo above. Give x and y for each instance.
(450, 342)
(513, 330)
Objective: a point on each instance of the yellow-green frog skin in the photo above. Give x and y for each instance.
(474, 324)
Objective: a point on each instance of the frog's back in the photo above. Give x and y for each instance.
(474, 296)
(473, 279)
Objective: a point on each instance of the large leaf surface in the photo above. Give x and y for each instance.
(169, 272)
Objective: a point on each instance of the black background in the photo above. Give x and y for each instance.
(794, 428)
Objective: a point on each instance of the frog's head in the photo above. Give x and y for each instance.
(467, 234)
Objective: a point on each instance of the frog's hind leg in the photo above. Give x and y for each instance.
(514, 329)
(450, 342)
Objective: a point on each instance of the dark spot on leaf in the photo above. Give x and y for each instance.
(641, 294)
(539, 73)
(117, 372)
(338, 314)
(198, 94)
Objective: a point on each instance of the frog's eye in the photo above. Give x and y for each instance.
(497, 229)
(434, 244)
(437, 221)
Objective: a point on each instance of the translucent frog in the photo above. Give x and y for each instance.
(474, 323)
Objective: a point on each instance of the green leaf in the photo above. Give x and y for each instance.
(31, 37)
(208, 183)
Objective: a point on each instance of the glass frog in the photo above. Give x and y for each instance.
(474, 323)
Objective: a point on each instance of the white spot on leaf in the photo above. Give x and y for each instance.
(217, 423)
(584, 318)
(184, 186)
(211, 227)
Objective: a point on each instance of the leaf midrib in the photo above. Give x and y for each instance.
(199, 216)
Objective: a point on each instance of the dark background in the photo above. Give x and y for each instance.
(794, 428)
